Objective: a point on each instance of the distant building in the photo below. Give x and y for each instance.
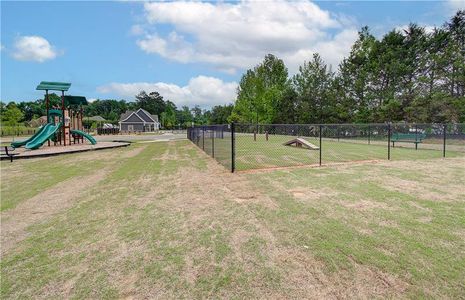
(139, 120)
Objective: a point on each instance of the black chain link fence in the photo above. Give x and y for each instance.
(252, 146)
(216, 141)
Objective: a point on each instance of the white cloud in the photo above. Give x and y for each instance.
(234, 36)
(201, 90)
(456, 4)
(33, 48)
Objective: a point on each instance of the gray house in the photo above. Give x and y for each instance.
(139, 120)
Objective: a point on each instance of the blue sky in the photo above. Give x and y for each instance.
(192, 53)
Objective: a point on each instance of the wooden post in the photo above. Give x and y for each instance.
(255, 136)
(266, 135)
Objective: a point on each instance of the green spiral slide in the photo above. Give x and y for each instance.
(87, 136)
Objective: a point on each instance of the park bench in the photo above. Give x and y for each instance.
(6, 152)
(415, 138)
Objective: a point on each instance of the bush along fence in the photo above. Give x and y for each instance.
(107, 131)
(251, 146)
(17, 131)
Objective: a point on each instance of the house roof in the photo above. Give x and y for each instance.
(140, 114)
(125, 115)
(97, 118)
(153, 117)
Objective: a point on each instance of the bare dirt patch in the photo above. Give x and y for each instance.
(364, 205)
(14, 222)
(307, 278)
(310, 194)
(134, 151)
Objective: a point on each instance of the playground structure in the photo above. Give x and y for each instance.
(64, 124)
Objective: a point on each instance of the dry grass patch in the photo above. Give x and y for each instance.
(166, 221)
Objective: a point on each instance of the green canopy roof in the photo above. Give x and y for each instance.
(75, 100)
(53, 86)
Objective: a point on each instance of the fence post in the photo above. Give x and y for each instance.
(389, 141)
(203, 138)
(213, 142)
(369, 134)
(233, 147)
(320, 142)
(444, 141)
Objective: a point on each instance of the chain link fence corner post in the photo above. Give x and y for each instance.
(444, 133)
(233, 147)
(213, 141)
(369, 135)
(389, 141)
(321, 127)
(203, 138)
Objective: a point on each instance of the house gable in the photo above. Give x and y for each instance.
(133, 118)
(144, 115)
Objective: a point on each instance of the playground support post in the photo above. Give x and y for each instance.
(389, 141)
(47, 107)
(444, 133)
(63, 116)
(233, 147)
(320, 142)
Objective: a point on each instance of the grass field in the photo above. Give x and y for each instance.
(163, 220)
(261, 153)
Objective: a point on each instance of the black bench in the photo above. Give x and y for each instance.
(6, 152)
(408, 138)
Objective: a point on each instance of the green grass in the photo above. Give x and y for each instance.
(258, 154)
(167, 222)
(400, 232)
(27, 179)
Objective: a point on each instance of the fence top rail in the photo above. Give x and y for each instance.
(334, 124)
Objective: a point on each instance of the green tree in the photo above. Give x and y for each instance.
(260, 92)
(313, 85)
(12, 115)
(184, 116)
(152, 102)
(168, 117)
(221, 113)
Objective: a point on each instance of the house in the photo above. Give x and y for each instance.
(139, 120)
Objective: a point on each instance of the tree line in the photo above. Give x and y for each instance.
(25, 112)
(407, 75)
(410, 75)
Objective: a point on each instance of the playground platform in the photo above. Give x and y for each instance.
(45, 150)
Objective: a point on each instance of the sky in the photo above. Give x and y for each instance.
(192, 53)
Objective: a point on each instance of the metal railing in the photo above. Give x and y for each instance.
(252, 146)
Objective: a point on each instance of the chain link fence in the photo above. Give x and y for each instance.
(252, 146)
(216, 141)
